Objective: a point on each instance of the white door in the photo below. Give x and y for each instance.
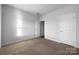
(67, 29)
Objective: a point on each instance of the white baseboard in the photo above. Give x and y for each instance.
(55, 39)
(19, 39)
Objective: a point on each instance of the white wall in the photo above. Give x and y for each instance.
(0, 25)
(52, 22)
(77, 26)
(9, 21)
(37, 28)
(51, 27)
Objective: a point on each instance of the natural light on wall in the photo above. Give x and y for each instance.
(19, 25)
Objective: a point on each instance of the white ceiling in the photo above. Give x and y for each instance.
(38, 8)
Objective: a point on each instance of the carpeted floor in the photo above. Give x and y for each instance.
(38, 46)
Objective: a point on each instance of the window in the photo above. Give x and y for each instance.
(19, 27)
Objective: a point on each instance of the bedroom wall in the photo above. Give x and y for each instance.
(10, 15)
(77, 25)
(52, 23)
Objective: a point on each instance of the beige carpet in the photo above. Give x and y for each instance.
(38, 46)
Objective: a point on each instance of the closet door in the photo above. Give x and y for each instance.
(67, 29)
